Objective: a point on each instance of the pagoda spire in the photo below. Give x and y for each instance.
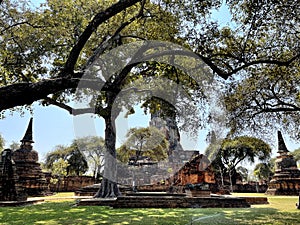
(28, 134)
(281, 145)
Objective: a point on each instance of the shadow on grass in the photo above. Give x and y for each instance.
(65, 213)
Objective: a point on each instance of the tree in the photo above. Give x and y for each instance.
(77, 164)
(264, 171)
(296, 154)
(243, 172)
(143, 143)
(59, 167)
(1, 143)
(14, 145)
(149, 142)
(230, 56)
(258, 104)
(266, 96)
(233, 151)
(51, 68)
(93, 148)
(59, 152)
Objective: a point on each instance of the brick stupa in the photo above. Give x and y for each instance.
(29, 172)
(286, 180)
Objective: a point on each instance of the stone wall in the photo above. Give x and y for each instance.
(70, 183)
(167, 202)
(250, 188)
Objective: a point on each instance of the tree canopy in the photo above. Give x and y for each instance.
(93, 148)
(296, 154)
(143, 142)
(66, 43)
(69, 158)
(264, 170)
(233, 151)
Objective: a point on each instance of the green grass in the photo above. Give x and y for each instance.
(281, 210)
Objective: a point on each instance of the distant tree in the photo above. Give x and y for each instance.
(1, 143)
(77, 164)
(59, 170)
(93, 148)
(233, 151)
(243, 172)
(59, 152)
(14, 145)
(140, 142)
(296, 154)
(264, 171)
(59, 167)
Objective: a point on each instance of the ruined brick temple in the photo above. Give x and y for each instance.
(10, 188)
(27, 167)
(286, 180)
(20, 172)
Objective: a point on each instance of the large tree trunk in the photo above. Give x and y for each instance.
(109, 187)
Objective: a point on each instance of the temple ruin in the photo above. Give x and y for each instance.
(28, 170)
(286, 180)
(10, 188)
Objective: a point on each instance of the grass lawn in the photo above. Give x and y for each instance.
(281, 210)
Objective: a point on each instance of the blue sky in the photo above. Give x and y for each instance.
(53, 126)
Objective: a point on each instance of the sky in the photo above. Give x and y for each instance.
(54, 126)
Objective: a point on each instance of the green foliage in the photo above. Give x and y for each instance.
(59, 151)
(263, 103)
(235, 150)
(93, 148)
(140, 142)
(262, 40)
(243, 172)
(296, 154)
(62, 155)
(14, 145)
(77, 162)
(264, 171)
(2, 142)
(264, 97)
(59, 167)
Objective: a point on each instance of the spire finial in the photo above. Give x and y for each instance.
(28, 134)
(281, 145)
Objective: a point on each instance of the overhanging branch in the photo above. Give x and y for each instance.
(74, 111)
(26, 93)
(92, 27)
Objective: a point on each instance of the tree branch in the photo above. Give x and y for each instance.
(26, 93)
(75, 112)
(108, 42)
(93, 25)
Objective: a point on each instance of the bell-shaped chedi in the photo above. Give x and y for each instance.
(286, 180)
(27, 167)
